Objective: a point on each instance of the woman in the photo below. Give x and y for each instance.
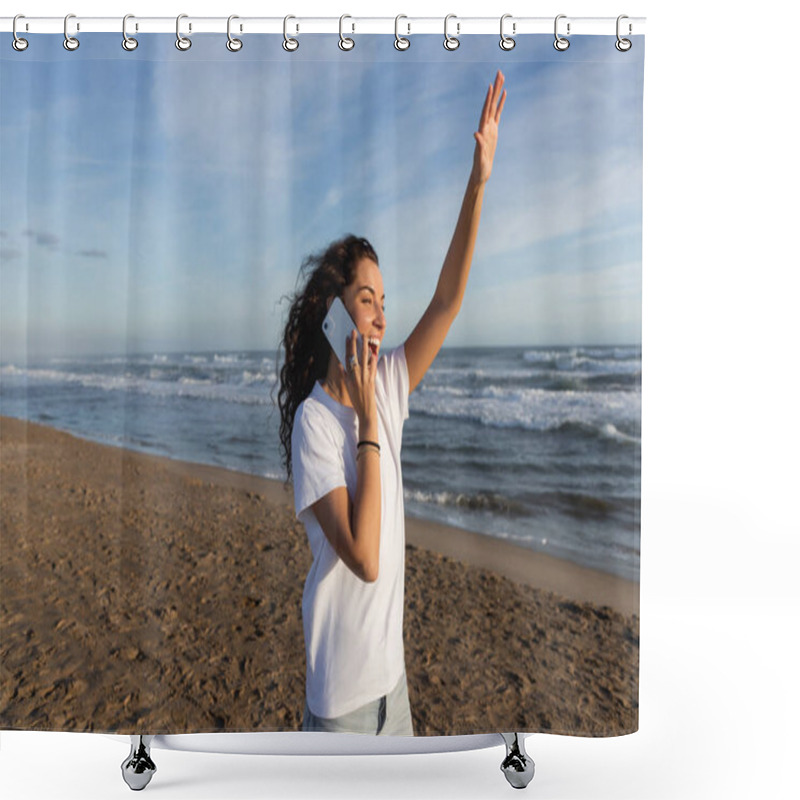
(341, 429)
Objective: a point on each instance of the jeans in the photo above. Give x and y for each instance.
(389, 715)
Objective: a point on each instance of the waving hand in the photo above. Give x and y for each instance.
(486, 135)
(427, 338)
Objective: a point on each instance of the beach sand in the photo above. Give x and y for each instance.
(140, 594)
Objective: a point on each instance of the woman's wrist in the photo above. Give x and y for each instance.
(368, 427)
(476, 181)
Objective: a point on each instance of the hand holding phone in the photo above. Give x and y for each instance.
(337, 327)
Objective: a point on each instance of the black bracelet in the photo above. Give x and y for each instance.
(366, 441)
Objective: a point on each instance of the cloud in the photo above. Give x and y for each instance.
(9, 253)
(42, 238)
(332, 198)
(93, 253)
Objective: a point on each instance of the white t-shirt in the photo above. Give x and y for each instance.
(353, 629)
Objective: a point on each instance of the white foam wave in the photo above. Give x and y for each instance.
(574, 367)
(536, 356)
(480, 502)
(437, 498)
(610, 432)
(596, 353)
(625, 364)
(184, 387)
(454, 391)
(195, 381)
(530, 409)
(506, 536)
(254, 377)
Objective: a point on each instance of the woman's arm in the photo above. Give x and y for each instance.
(353, 528)
(428, 336)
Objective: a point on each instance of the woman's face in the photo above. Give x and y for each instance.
(364, 299)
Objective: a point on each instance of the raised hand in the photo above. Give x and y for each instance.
(486, 135)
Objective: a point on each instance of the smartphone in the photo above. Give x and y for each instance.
(337, 327)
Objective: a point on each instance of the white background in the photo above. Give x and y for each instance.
(720, 605)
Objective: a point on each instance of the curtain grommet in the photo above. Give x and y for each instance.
(183, 43)
(507, 42)
(400, 42)
(70, 42)
(345, 43)
(289, 44)
(623, 45)
(561, 43)
(128, 42)
(18, 43)
(451, 42)
(233, 44)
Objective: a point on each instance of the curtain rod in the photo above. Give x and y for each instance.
(408, 26)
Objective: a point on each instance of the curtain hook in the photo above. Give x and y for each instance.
(623, 45)
(507, 42)
(289, 44)
(451, 42)
(561, 43)
(181, 42)
(70, 42)
(128, 42)
(234, 45)
(345, 43)
(400, 42)
(19, 44)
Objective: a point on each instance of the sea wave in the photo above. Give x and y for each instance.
(532, 409)
(157, 382)
(590, 362)
(480, 501)
(602, 353)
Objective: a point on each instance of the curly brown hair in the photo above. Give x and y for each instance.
(306, 350)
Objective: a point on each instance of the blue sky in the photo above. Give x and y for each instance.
(159, 200)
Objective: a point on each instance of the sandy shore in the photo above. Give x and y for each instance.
(142, 594)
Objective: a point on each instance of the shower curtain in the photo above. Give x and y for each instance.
(161, 211)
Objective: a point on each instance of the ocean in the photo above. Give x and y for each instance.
(538, 446)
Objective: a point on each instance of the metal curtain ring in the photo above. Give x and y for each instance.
(70, 42)
(289, 44)
(506, 42)
(401, 43)
(451, 42)
(181, 42)
(128, 42)
(560, 43)
(234, 45)
(344, 42)
(19, 44)
(623, 45)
